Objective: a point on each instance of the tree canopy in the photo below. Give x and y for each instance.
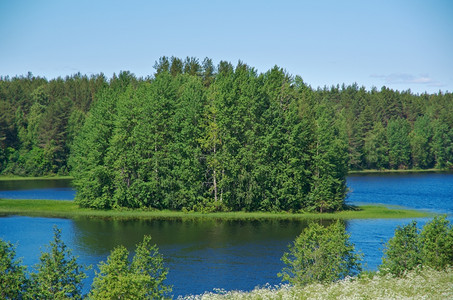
(246, 141)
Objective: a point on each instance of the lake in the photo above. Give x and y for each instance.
(207, 254)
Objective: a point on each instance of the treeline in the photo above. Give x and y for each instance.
(194, 134)
(389, 129)
(39, 119)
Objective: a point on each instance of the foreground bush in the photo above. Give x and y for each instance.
(320, 254)
(417, 284)
(12, 274)
(58, 275)
(141, 279)
(410, 247)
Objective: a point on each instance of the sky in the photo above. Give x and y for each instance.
(401, 44)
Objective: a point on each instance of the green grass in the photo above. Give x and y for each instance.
(392, 171)
(68, 209)
(420, 284)
(18, 178)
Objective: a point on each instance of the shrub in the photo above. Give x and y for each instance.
(402, 252)
(436, 241)
(320, 254)
(410, 247)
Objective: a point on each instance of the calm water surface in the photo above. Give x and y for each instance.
(53, 189)
(203, 255)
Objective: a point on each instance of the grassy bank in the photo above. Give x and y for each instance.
(18, 178)
(425, 284)
(392, 171)
(68, 209)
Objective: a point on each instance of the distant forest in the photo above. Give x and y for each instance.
(198, 134)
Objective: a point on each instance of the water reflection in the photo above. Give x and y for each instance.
(201, 254)
(31, 184)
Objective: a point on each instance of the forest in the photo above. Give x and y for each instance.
(197, 136)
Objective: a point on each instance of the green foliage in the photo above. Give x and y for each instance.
(58, 276)
(329, 164)
(141, 279)
(320, 254)
(376, 148)
(442, 144)
(436, 241)
(35, 117)
(421, 139)
(402, 252)
(431, 247)
(174, 143)
(12, 274)
(197, 135)
(399, 143)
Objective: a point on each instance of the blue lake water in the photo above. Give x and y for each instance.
(203, 255)
(52, 189)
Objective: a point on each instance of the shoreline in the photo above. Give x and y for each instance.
(391, 171)
(350, 172)
(69, 209)
(47, 177)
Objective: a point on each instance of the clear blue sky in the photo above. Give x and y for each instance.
(401, 44)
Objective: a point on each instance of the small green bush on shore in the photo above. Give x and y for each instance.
(320, 254)
(410, 247)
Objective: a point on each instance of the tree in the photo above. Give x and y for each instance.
(53, 133)
(58, 275)
(208, 72)
(442, 144)
(320, 254)
(92, 178)
(436, 241)
(420, 140)
(410, 247)
(12, 274)
(176, 66)
(329, 163)
(192, 66)
(398, 142)
(141, 279)
(162, 65)
(187, 167)
(376, 148)
(402, 252)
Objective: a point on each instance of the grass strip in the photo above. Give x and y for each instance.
(20, 178)
(392, 171)
(69, 209)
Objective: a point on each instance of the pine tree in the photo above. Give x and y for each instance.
(329, 163)
(13, 282)
(142, 279)
(58, 275)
